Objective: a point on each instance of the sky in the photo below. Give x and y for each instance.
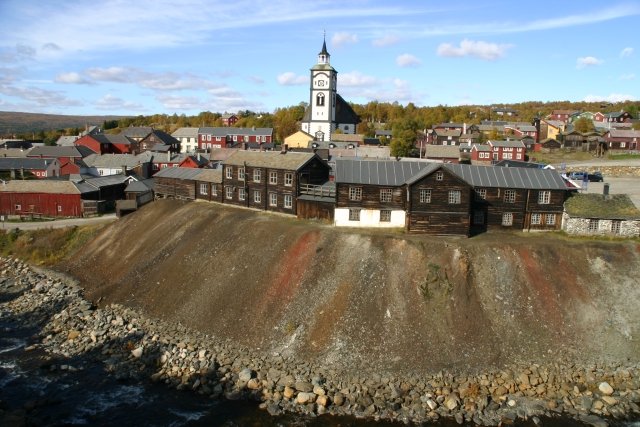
(144, 57)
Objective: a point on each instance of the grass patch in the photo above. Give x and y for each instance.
(623, 156)
(46, 246)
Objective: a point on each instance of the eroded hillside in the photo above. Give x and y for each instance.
(370, 300)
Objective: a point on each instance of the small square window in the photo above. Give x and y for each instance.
(288, 179)
(385, 195)
(593, 225)
(536, 219)
(425, 196)
(544, 197)
(354, 214)
(355, 193)
(510, 196)
(439, 176)
(18, 207)
(507, 219)
(454, 197)
(385, 215)
(288, 201)
(481, 194)
(616, 226)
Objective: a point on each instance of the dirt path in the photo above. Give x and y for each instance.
(59, 223)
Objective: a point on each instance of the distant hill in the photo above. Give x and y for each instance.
(16, 123)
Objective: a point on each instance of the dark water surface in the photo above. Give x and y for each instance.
(78, 391)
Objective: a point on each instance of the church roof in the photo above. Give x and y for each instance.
(324, 48)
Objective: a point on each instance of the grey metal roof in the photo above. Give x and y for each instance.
(376, 172)
(210, 175)
(137, 131)
(105, 181)
(55, 151)
(270, 159)
(104, 138)
(489, 176)
(185, 133)
(113, 161)
(139, 186)
(8, 163)
(66, 141)
(40, 186)
(178, 173)
(507, 143)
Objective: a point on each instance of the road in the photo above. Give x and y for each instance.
(60, 223)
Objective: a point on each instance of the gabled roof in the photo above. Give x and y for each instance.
(178, 173)
(509, 143)
(442, 151)
(39, 186)
(598, 206)
(489, 176)
(51, 151)
(140, 186)
(14, 152)
(187, 132)
(452, 132)
(105, 138)
(66, 141)
(210, 175)
(480, 147)
(137, 131)
(554, 123)
(624, 133)
(8, 163)
(448, 125)
(518, 164)
(164, 137)
(218, 154)
(376, 172)
(270, 159)
(113, 161)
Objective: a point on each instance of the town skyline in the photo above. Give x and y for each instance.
(113, 58)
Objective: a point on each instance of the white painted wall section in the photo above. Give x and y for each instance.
(369, 218)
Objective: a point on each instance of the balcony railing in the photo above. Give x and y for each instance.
(318, 190)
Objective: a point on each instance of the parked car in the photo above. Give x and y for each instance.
(595, 177)
(578, 176)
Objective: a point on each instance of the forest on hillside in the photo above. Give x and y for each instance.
(403, 120)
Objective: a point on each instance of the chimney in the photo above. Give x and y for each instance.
(168, 156)
(464, 128)
(285, 148)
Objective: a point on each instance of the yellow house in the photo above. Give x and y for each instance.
(553, 127)
(299, 139)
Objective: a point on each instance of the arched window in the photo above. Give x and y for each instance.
(320, 100)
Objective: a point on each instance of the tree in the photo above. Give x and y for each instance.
(404, 131)
(584, 125)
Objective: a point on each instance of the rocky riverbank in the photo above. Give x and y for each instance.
(131, 345)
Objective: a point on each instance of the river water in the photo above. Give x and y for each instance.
(38, 390)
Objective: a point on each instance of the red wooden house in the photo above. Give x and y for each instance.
(507, 150)
(224, 137)
(109, 144)
(229, 119)
(619, 139)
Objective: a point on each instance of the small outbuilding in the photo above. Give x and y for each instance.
(601, 215)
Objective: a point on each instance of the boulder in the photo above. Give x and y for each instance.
(605, 388)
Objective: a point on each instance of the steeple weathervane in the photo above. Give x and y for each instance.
(323, 56)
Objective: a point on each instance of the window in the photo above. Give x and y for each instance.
(354, 214)
(288, 201)
(615, 226)
(235, 138)
(481, 194)
(385, 215)
(228, 192)
(623, 144)
(550, 219)
(536, 219)
(478, 217)
(257, 175)
(593, 225)
(385, 195)
(544, 197)
(18, 207)
(425, 196)
(203, 189)
(229, 172)
(155, 166)
(240, 173)
(241, 193)
(214, 191)
(320, 100)
(439, 176)
(288, 179)
(257, 196)
(507, 219)
(507, 156)
(273, 199)
(454, 197)
(59, 208)
(510, 196)
(273, 177)
(355, 193)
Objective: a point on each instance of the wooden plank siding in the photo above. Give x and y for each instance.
(213, 192)
(555, 207)
(175, 188)
(371, 197)
(436, 215)
(314, 209)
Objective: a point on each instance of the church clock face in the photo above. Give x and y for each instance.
(321, 83)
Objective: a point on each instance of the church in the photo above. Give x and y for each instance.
(327, 111)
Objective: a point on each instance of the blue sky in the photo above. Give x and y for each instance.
(132, 57)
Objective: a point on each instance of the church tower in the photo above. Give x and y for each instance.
(320, 119)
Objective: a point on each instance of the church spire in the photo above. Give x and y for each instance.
(323, 56)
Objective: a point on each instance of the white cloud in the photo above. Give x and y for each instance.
(71, 78)
(385, 41)
(40, 97)
(110, 102)
(292, 79)
(614, 97)
(355, 78)
(478, 49)
(111, 74)
(51, 46)
(626, 52)
(181, 103)
(630, 76)
(407, 60)
(587, 61)
(340, 39)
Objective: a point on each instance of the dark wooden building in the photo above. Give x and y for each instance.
(270, 180)
(176, 183)
(209, 185)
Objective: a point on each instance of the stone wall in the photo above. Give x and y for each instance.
(608, 171)
(580, 226)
